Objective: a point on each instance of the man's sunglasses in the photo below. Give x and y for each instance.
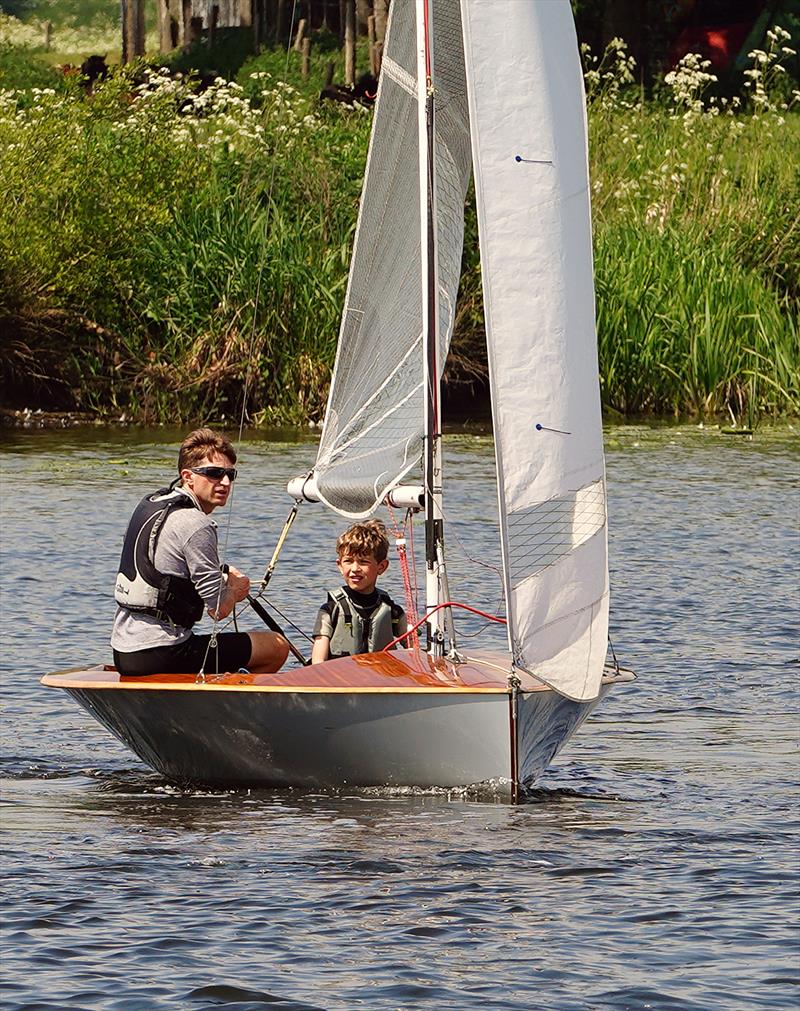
(216, 473)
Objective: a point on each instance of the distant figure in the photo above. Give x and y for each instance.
(358, 617)
(364, 91)
(170, 573)
(93, 69)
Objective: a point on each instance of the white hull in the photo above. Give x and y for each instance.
(332, 737)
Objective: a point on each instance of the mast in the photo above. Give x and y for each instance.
(435, 577)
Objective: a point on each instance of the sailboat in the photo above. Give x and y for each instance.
(490, 90)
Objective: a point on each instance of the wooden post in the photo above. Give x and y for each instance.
(381, 14)
(306, 64)
(374, 66)
(257, 15)
(331, 70)
(132, 29)
(350, 43)
(164, 26)
(194, 31)
(212, 25)
(280, 22)
(47, 34)
(186, 19)
(298, 39)
(363, 14)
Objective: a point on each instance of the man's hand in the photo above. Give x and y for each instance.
(237, 586)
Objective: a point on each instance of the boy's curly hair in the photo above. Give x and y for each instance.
(368, 538)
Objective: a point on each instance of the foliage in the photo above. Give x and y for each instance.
(697, 232)
(163, 249)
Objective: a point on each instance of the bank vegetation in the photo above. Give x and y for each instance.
(165, 250)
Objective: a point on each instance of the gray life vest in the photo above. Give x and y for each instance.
(356, 630)
(140, 587)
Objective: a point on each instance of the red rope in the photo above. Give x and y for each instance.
(400, 545)
(449, 603)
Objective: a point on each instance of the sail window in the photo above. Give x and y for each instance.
(546, 532)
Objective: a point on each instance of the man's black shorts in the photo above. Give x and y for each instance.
(189, 657)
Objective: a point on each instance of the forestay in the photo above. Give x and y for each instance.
(373, 429)
(527, 112)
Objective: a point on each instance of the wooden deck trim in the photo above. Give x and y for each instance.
(59, 680)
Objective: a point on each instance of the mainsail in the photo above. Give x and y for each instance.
(373, 430)
(528, 119)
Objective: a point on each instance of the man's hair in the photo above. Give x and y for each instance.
(201, 443)
(364, 539)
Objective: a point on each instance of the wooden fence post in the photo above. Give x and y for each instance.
(132, 29)
(374, 65)
(47, 35)
(350, 43)
(212, 25)
(280, 22)
(301, 32)
(305, 67)
(381, 14)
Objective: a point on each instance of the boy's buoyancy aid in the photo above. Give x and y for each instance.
(140, 587)
(356, 630)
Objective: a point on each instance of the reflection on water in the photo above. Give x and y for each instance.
(654, 867)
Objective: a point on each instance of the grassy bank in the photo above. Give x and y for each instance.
(161, 250)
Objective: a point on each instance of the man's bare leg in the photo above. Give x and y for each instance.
(268, 652)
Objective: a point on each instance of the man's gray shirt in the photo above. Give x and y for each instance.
(186, 546)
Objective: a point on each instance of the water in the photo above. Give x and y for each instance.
(655, 868)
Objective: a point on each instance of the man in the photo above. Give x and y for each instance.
(170, 574)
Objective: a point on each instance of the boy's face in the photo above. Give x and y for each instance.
(360, 572)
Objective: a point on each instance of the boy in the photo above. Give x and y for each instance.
(358, 618)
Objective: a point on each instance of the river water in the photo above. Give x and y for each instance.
(656, 867)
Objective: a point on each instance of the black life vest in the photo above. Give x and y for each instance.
(356, 630)
(140, 587)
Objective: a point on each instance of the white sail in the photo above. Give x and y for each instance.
(373, 430)
(527, 115)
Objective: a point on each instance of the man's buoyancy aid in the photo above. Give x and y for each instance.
(140, 586)
(356, 630)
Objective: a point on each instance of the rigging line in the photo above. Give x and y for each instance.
(439, 607)
(258, 596)
(452, 534)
